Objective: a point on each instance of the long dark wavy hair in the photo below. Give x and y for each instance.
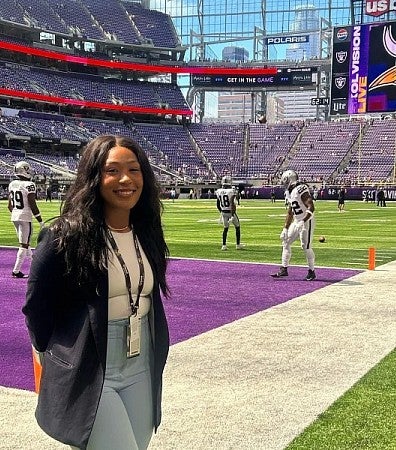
(81, 231)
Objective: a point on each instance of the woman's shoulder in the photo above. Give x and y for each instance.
(56, 227)
(47, 260)
(47, 240)
(45, 235)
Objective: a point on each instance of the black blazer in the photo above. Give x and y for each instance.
(68, 321)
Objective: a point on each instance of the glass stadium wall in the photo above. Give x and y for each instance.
(208, 26)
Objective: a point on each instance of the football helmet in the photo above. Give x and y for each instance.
(22, 169)
(288, 179)
(226, 181)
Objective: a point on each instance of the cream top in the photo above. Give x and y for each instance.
(119, 307)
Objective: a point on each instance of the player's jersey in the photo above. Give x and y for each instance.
(295, 202)
(226, 197)
(18, 194)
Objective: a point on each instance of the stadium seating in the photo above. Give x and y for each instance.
(318, 151)
(321, 149)
(91, 88)
(78, 19)
(222, 145)
(116, 26)
(39, 15)
(269, 145)
(372, 159)
(348, 152)
(155, 26)
(9, 11)
(174, 150)
(128, 22)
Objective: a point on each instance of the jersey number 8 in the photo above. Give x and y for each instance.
(225, 201)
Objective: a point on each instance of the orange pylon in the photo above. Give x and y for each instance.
(371, 258)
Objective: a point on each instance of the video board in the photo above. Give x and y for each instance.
(363, 78)
(301, 76)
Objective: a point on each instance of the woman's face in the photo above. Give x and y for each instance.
(122, 181)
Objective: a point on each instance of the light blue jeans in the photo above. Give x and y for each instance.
(124, 420)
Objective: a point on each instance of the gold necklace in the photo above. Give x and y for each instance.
(117, 229)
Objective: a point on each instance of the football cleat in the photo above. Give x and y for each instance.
(282, 272)
(240, 246)
(224, 247)
(311, 275)
(18, 275)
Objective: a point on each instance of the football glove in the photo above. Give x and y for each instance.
(284, 235)
(41, 225)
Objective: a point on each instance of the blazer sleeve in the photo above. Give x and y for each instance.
(44, 290)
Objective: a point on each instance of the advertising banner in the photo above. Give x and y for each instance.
(363, 76)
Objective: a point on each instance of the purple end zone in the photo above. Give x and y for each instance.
(204, 295)
(208, 294)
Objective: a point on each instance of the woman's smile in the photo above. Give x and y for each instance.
(121, 185)
(125, 192)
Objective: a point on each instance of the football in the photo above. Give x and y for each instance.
(322, 239)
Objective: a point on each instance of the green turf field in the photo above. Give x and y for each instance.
(364, 418)
(192, 230)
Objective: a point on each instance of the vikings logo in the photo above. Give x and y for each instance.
(341, 56)
(387, 78)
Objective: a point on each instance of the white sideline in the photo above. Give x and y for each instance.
(258, 382)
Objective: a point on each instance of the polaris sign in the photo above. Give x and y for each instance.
(300, 39)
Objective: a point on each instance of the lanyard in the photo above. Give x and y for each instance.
(134, 305)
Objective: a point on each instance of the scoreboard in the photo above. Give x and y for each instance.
(301, 76)
(363, 75)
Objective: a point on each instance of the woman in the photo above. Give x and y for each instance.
(93, 307)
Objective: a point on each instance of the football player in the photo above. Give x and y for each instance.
(299, 223)
(22, 206)
(341, 199)
(226, 204)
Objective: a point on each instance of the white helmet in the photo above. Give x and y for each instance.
(22, 169)
(226, 181)
(288, 179)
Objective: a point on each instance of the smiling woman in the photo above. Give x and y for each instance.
(93, 306)
(121, 186)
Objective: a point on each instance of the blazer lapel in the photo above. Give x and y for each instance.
(98, 316)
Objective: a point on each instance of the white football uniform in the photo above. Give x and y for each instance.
(297, 229)
(18, 194)
(226, 197)
(294, 200)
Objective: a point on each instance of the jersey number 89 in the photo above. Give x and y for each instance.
(16, 198)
